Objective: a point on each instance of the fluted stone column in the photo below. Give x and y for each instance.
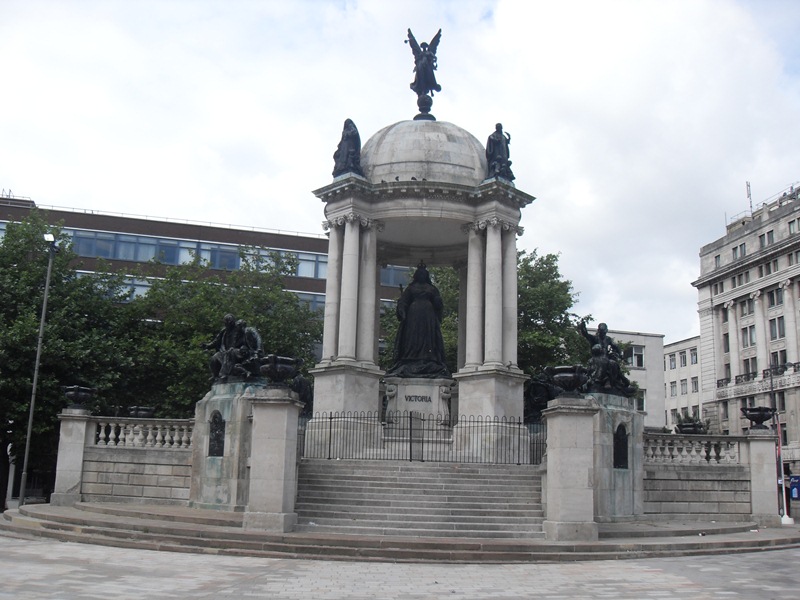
(791, 320)
(474, 345)
(493, 326)
(733, 338)
(762, 350)
(348, 311)
(365, 342)
(462, 310)
(510, 315)
(330, 341)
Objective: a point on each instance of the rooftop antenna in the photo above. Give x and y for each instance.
(749, 197)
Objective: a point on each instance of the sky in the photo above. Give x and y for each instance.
(635, 123)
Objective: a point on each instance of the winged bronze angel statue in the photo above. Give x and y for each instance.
(424, 64)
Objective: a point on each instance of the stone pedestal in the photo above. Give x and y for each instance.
(426, 396)
(221, 482)
(273, 460)
(490, 392)
(75, 434)
(346, 388)
(764, 499)
(618, 490)
(570, 462)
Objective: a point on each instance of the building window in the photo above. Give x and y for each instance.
(673, 388)
(766, 239)
(696, 411)
(717, 261)
(727, 370)
(684, 387)
(780, 401)
(746, 307)
(674, 415)
(724, 410)
(682, 357)
(641, 399)
(724, 313)
(775, 297)
(637, 357)
(750, 366)
(733, 282)
(777, 329)
(671, 361)
(792, 227)
(748, 336)
(695, 385)
(777, 358)
(726, 343)
(693, 355)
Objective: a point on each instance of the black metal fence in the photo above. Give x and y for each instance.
(414, 436)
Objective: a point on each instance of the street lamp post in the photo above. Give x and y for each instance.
(52, 249)
(779, 370)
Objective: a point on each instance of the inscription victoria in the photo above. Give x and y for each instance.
(418, 398)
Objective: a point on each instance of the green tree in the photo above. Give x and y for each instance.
(548, 333)
(184, 308)
(77, 348)
(547, 329)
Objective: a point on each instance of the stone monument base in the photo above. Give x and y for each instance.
(417, 394)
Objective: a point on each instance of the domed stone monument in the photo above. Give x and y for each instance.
(425, 195)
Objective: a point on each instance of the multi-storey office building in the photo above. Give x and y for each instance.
(125, 242)
(644, 360)
(682, 381)
(748, 293)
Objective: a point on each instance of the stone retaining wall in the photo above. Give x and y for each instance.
(679, 489)
(136, 475)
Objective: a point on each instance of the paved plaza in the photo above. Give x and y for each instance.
(33, 569)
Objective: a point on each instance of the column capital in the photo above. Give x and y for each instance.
(729, 304)
(787, 284)
(352, 217)
(484, 224)
(755, 295)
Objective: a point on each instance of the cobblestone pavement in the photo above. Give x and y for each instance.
(34, 569)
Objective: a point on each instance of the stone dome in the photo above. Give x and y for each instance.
(436, 151)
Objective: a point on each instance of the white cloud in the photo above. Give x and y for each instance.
(635, 123)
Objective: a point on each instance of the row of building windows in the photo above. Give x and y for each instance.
(144, 248)
(681, 357)
(673, 386)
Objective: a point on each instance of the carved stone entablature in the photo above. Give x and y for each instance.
(352, 217)
(751, 388)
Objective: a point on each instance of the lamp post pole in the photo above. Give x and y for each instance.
(48, 237)
(779, 370)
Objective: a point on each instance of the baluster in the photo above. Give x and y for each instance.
(189, 435)
(150, 440)
(184, 436)
(159, 436)
(101, 434)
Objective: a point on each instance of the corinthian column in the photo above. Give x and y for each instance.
(474, 330)
(733, 339)
(349, 307)
(367, 297)
(493, 326)
(791, 320)
(510, 314)
(333, 283)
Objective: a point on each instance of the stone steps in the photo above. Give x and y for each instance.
(181, 529)
(419, 499)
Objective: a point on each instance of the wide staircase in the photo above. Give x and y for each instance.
(391, 498)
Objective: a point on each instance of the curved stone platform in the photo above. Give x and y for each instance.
(182, 529)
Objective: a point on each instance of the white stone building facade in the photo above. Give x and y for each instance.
(646, 370)
(682, 381)
(748, 293)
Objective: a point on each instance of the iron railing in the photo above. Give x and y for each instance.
(414, 436)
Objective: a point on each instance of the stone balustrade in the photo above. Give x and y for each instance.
(164, 434)
(692, 449)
